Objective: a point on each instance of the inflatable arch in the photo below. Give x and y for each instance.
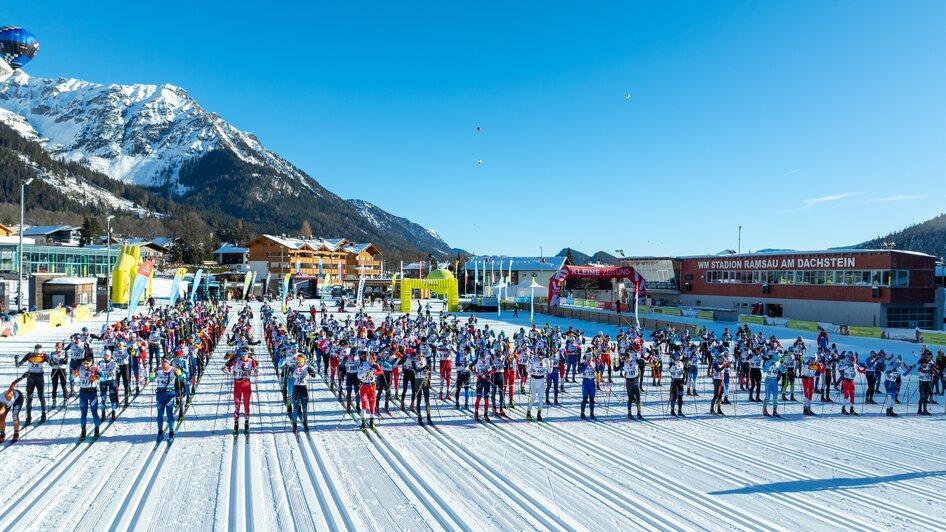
(123, 274)
(444, 286)
(595, 272)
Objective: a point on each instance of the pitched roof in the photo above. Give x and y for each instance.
(314, 244)
(43, 230)
(229, 248)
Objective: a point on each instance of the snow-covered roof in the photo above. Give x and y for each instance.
(43, 230)
(518, 263)
(229, 248)
(315, 244)
(355, 249)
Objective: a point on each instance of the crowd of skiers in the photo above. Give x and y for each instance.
(370, 362)
(169, 347)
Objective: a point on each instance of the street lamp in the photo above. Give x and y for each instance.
(19, 268)
(108, 266)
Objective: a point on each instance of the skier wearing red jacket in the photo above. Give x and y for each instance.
(368, 375)
(242, 367)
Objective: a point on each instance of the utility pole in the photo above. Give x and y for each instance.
(739, 244)
(19, 267)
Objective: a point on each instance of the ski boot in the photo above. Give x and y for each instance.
(539, 416)
(16, 437)
(160, 434)
(29, 419)
(844, 410)
(363, 424)
(295, 428)
(476, 416)
(3, 437)
(82, 433)
(639, 416)
(775, 412)
(456, 405)
(673, 412)
(891, 413)
(429, 420)
(236, 426)
(420, 420)
(42, 417)
(246, 427)
(95, 433)
(852, 412)
(529, 415)
(765, 412)
(113, 415)
(370, 424)
(792, 398)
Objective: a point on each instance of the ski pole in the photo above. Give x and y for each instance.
(223, 383)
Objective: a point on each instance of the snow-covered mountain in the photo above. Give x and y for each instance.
(141, 134)
(161, 138)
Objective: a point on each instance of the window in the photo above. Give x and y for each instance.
(910, 317)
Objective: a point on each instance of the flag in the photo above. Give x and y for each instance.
(285, 292)
(320, 267)
(197, 277)
(176, 285)
(247, 280)
(141, 282)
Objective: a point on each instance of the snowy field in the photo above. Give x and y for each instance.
(740, 472)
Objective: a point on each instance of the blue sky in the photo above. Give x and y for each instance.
(811, 124)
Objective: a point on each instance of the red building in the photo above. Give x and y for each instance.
(882, 288)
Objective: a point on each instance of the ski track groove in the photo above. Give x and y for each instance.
(326, 479)
(409, 478)
(741, 519)
(316, 481)
(45, 480)
(484, 477)
(792, 502)
(879, 504)
(658, 520)
(873, 443)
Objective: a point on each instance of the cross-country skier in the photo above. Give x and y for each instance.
(463, 362)
(924, 376)
(368, 374)
(773, 371)
(848, 371)
(11, 402)
(108, 387)
(165, 378)
(538, 370)
(86, 375)
(35, 381)
(677, 371)
(242, 367)
(300, 393)
(589, 373)
(484, 370)
(59, 364)
(632, 383)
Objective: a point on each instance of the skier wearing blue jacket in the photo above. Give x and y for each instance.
(462, 362)
(774, 370)
(589, 373)
(165, 378)
(183, 380)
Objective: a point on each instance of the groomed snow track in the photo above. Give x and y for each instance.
(742, 472)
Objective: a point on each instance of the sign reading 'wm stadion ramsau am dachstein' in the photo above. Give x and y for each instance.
(779, 263)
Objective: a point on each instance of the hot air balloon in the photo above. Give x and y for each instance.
(477, 129)
(17, 46)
